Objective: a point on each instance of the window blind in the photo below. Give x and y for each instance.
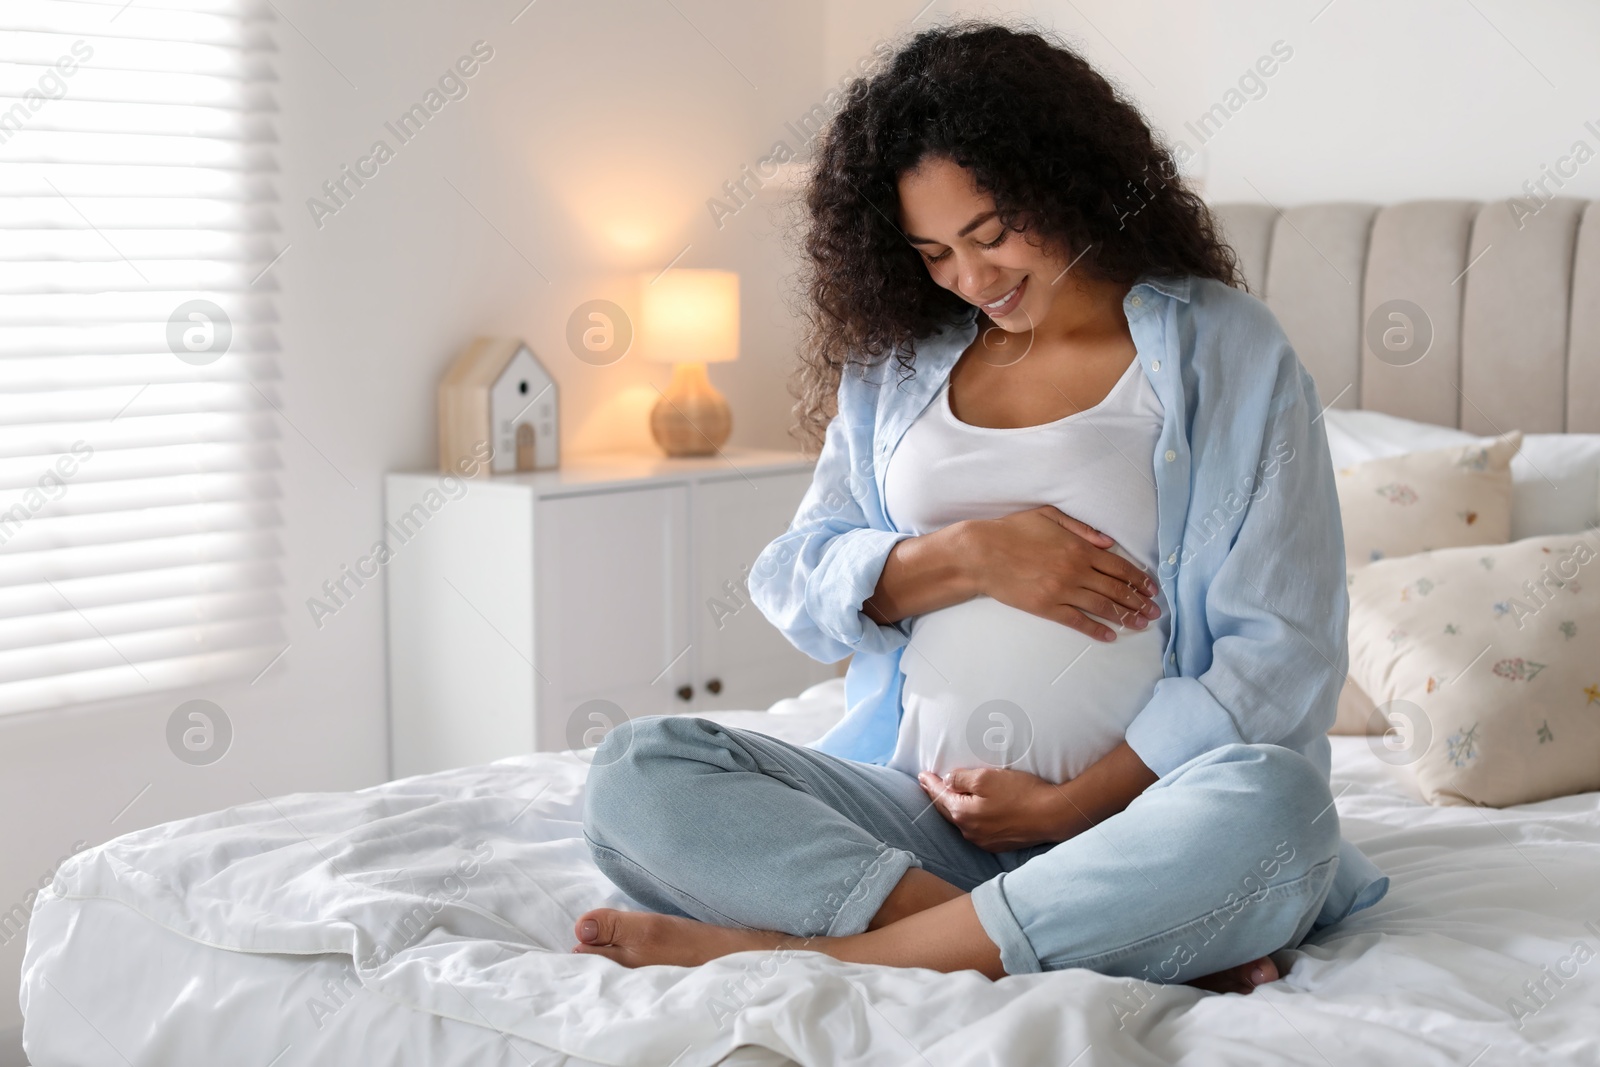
(139, 516)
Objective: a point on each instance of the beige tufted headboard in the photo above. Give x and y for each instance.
(1510, 291)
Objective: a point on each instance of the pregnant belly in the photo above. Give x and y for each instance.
(990, 685)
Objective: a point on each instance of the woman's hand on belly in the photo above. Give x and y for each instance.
(1000, 810)
(1049, 564)
(997, 809)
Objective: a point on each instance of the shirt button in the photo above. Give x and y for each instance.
(1155, 364)
(1172, 558)
(1136, 301)
(1171, 455)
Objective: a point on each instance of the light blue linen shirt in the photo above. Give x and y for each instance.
(1248, 531)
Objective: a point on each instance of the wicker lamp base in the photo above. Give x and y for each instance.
(691, 418)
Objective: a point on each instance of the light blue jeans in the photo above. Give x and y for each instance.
(1225, 860)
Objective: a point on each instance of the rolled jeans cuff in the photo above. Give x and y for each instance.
(866, 897)
(1016, 954)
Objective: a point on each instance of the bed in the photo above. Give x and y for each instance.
(229, 938)
(235, 937)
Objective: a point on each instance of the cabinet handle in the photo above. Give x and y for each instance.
(685, 692)
(715, 685)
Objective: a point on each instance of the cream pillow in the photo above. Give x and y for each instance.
(1555, 477)
(1448, 497)
(1486, 657)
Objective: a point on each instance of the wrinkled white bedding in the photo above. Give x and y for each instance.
(228, 939)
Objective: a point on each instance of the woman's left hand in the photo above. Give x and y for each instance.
(997, 810)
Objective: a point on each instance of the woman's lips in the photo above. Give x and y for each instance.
(1008, 304)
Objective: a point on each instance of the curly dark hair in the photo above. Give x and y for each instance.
(1063, 155)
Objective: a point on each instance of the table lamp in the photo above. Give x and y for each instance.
(690, 318)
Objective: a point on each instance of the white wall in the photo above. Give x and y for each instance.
(1380, 101)
(591, 141)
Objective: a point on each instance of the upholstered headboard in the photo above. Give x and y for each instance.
(1509, 290)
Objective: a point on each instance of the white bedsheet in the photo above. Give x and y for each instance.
(227, 939)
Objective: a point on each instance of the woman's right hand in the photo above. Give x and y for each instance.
(1049, 564)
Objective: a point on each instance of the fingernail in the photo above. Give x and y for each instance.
(1150, 587)
(588, 930)
(1258, 976)
(1140, 622)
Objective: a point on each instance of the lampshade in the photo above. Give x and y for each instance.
(689, 316)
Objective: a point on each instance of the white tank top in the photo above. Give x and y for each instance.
(991, 685)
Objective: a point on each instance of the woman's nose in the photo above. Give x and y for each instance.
(977, 278)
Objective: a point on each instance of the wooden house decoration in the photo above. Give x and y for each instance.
(498, 391)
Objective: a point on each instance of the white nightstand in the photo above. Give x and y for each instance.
(515, 602)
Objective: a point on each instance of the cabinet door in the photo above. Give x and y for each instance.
(610, 587)
(461, 642)
(737, 651)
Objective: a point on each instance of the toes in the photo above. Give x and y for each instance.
(599, 934)
(1260, 972)
(1253, 974)
(597, 927)
(1242, 979)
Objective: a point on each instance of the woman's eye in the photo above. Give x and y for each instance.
(996, 243)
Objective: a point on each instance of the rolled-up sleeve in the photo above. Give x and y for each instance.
(812, 580)
(1276, 608)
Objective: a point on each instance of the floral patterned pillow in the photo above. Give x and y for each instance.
(1484, 661)
(1453, 496)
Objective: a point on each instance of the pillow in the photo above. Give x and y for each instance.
(1555, 484)
(1555, 478)
(1460, 495)
(1357, 436)
(1486, 656)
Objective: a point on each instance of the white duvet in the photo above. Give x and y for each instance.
(229, 939)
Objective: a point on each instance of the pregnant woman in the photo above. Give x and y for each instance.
(1074, 521)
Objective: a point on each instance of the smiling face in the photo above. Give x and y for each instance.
(968, 251)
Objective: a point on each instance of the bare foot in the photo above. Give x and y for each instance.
(642, 938)
(1241, 979)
